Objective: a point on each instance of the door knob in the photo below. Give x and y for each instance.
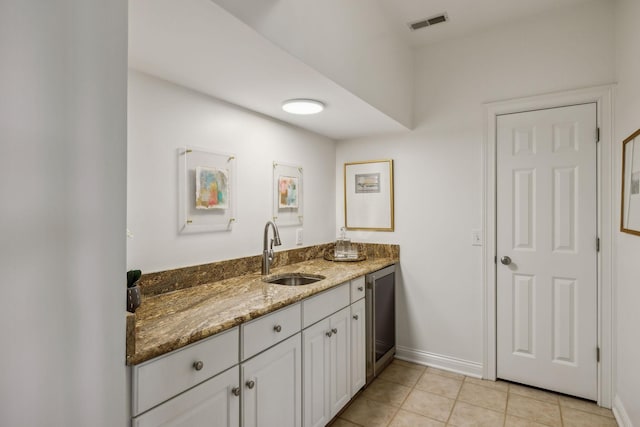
(235, 391)
(505, 260)
(277, 328)
(250, 384)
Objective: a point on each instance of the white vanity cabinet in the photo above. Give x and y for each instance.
(299, 365)
(270, 372)
(326, 355)
(272, 386)
(326, 368)
(193, 382)
(214, 403)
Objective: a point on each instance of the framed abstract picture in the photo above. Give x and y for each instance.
(368, 195)
(206, 190)
(288, 190)
(212, 188)
(287, 194)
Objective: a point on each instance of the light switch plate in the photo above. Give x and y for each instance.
(476, 237)
(298, 236)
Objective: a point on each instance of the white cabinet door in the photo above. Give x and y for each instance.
(358, 346)
(271, 386)
(210, 404)
(340, 361)
(316, 344)
(327, 368)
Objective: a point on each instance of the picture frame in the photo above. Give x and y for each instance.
(630, 200)
(287, 194)
(206, 190)
(368, 195)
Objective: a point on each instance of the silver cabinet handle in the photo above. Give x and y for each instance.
(250, 384)
(277, 328)
(355, 317)
(235, 391)
(505, 260)
(198, 365)
(334, 330)
(329, 333)
(361, 288)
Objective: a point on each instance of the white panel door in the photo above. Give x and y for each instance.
(546, 228)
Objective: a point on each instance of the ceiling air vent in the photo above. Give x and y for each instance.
(426, 22)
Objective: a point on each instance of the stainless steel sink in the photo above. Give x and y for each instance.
(293, 279)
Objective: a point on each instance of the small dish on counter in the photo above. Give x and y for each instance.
(330, 256)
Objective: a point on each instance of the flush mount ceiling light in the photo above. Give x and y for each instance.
(302, 106)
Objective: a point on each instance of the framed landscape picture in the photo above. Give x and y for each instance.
(368, 195)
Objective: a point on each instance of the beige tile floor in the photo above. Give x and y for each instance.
(409, 395)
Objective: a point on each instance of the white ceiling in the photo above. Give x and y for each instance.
(198, 44)
(465, 16)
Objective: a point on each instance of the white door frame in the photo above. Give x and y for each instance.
(602, 96)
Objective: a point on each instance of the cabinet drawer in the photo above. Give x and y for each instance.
(211, 400)
(320, 306)
(357, 289)
(161, 378)
(262, 333)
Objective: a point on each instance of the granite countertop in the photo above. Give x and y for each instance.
(175, 319)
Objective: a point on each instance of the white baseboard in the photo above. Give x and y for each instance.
(447, 363)
(620, 413)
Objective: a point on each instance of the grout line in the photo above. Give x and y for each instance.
(506, 405)
(455, 401)
(463, 380)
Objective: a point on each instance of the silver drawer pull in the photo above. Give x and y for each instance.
(198, 365)
(334, 330)
(250, 384)
(235, 391)
(361, 288)
(328, 333)
(355, 317)
(277, 328)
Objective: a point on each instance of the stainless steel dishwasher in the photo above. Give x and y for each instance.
(381, 320)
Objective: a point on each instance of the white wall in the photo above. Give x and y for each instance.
(62, 220)
(163, 117)
(627, 248)
(350, 42)
(438, 175)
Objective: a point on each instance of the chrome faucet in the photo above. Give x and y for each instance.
(267, 254)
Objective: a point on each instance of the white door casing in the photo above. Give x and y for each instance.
(607, 226)
(546, 233)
